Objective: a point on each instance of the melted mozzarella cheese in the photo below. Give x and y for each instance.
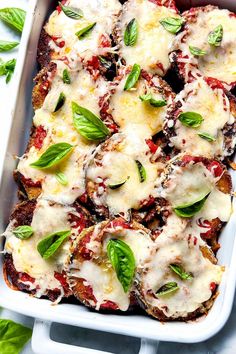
(59, 25)
(213, 105)
(59, 126)
(47, 219)
(219, 62)
(154, 42)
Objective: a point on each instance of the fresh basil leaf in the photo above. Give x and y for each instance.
(7, 68)
(118, 185)
(66, 77)
(85, 31)
(5, 46)
(189, 210)
(215, 37)
(167, 288)
(172, 24)
(142, 171)
(50, 244)
(88, 124)
(196, 51)
(132, 77)
(13, 337)
(61, 178)
(191, 119)
(14, 17)
(131, 33)
(23, 232)
(10, 64)
(178, 269)
(60, 102)
(52, 156)
(9, 76)
(71, 12)
(152, 101)
(207, 136)
(104, 62)
(122, 259)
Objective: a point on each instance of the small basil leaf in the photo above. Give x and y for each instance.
(66, 77)
(196, 51)
(85, 31)
(131, 33)
(191, 119)
(104, 62)
(6, 45)
(132, 77)
(52, 156)
(142, 171)
(207, 136)
(14, 17)
(178, 269)
(118, 185)
(88, 124)
(172, 24)
(7, 68)
(122, 259)
(50, 244)
(13, 337)
(215, 37)
(23, 232)
(167, 288)
(71, 12)
(61, 178)
(152, 101)
(189, 210)
(60, 102)
(9, 76)
(10, 64)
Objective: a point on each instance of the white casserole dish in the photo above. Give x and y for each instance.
(17, 124)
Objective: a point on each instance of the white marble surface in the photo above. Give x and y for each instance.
(223, 343)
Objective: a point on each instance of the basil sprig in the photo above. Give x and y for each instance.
(5, 46)
(23, 232)
(131, 33)
(132, 77)
(172, 24)
(190, 209)
(71, 12)
(13, 336)
(191, 119)
(7, 68)
(167, 289)
(81, 34)
(66, 77)
(61, 178)
(88, 124)
(122, 259)
(142, 171)
(207, 137)
(53, 156)
(50, 244)
(14, 17)
(152, 101)
(215, 37)
(179, 270)
(118, 185)
(60, 102)
(196, 51)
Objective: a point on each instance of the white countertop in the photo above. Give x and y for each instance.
(223, 343)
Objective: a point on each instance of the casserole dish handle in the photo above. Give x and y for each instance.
(42, 343)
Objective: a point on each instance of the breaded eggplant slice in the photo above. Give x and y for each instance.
(180, 280)
(24, 267)
(217, 61)
(52, 126)
(191, 179)
(121, 174)
(61, 37)
(132, 107)
(213, 133)
(91, 275)
(151, 47)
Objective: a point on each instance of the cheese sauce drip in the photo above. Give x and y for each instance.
(218, 62)
(154, 42)
(214, 107)
(59, 126)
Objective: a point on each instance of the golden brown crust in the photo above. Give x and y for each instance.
(44, 53)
